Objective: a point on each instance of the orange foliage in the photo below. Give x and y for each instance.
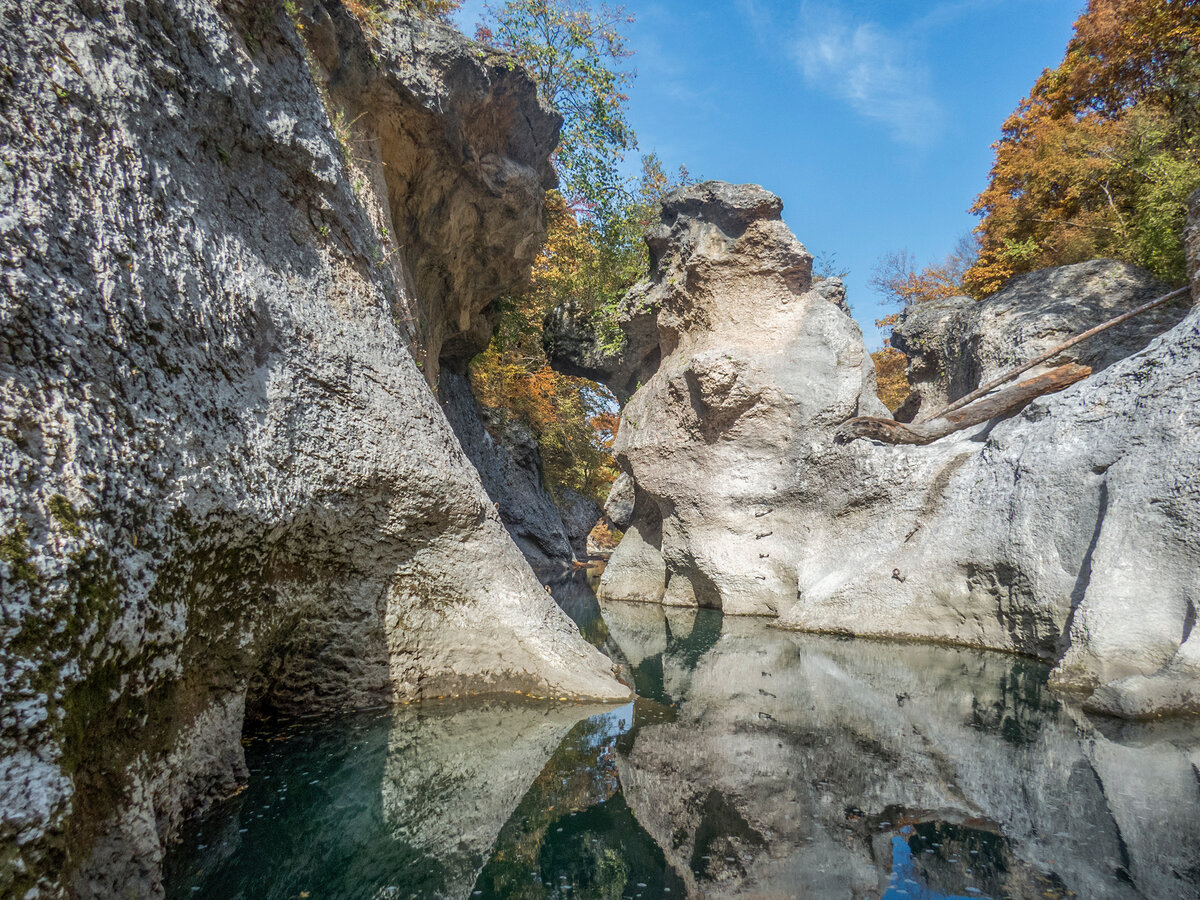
(1099, 158)
(892, 385)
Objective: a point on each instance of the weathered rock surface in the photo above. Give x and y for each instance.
(618, 506)
(752, 358)
(511, 469)
(223, 479)
(955, 345)
(579, 516)
(795, 763)
(1070, 531)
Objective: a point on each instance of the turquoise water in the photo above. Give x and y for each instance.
(753, 762)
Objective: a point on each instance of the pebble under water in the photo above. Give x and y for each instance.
(754, 762)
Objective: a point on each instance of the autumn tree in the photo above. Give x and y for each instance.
(595, 222)
(898, 279)
(891, 383)
(590, 262)
(1099, 159)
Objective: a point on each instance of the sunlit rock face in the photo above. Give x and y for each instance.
(223, 478)
(954, 345)
(1068, 532)
(753, 359)
(800, 765)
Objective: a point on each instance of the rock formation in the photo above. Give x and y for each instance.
(752, 357)
(223, 478)
(954, 345)
(511, 469)
(1070, 531)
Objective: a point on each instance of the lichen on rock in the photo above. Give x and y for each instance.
(224, 479)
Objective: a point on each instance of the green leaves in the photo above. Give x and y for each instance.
(577, 56)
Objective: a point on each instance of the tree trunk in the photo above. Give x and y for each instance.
(1004, 403)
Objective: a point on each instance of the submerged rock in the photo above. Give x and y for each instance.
(1069, 531)
(955, 345)
(223, 478)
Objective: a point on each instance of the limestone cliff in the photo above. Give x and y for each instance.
(1070, 531)
(223, 477)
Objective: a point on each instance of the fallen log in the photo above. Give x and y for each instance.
(1004, 403)
(1050, 354)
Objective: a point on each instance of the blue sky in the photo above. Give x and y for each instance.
(872, 120)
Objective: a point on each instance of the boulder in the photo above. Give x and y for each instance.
(955, 345)
(224, 481)
(618, 507)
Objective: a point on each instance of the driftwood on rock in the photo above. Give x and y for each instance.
(971, 410)
(1053, 352)
(1004, 403)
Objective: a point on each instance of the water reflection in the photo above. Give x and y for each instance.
(400, 803)
(754, 762)
(819, 767)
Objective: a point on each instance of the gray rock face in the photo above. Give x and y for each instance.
(955, 345)
(223, 479)
(436, 124)
(1034, 534)
(511, 469)
(753, 360)
(618, 506)
(579, 515)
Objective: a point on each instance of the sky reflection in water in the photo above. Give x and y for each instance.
(753, 761)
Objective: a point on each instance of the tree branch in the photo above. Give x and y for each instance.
(949, 421)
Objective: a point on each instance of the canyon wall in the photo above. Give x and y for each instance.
(1069, 531)
(238, 239)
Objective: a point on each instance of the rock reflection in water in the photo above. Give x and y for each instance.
(801, 765)
(398, 803)
(754, 762)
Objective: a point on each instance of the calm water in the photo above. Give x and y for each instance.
(754, 763)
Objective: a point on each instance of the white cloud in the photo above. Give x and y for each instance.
(878, 73)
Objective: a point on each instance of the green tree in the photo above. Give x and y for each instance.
(577, 55)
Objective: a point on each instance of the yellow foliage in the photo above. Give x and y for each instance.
(1099, 159)
(891, 382)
